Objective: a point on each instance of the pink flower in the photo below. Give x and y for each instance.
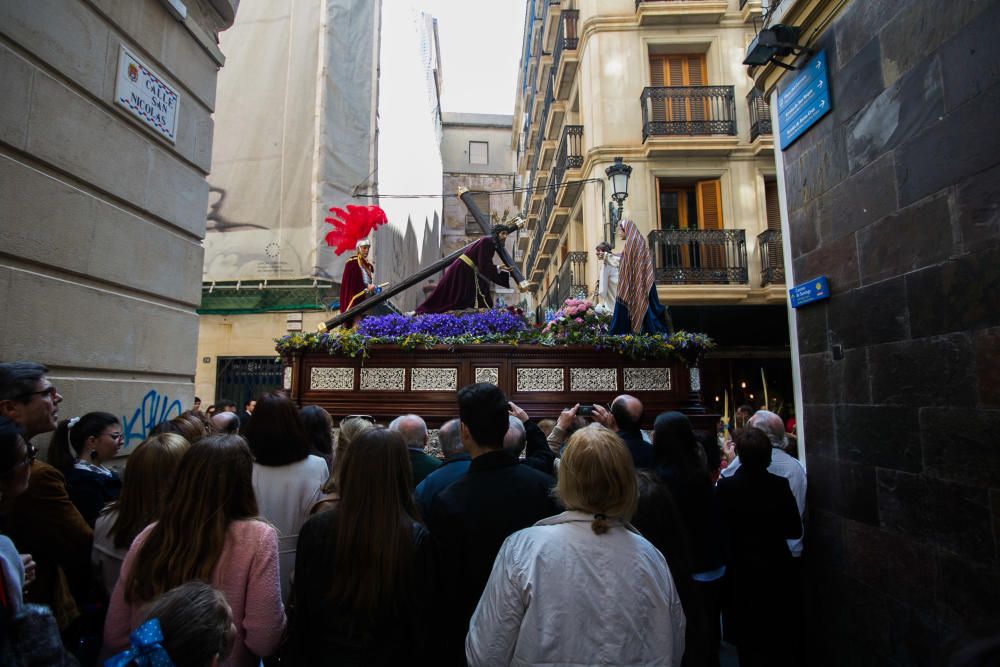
(578, 320)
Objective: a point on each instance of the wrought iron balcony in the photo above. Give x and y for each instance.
(569, 155)
(566, 37)
(760, 114)
(572, 279)
(687, 111)
(639, 2)
(772, 258)
(699, 256)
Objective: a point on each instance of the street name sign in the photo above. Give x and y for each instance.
(144, 94)
(816, 289)
(804, 101)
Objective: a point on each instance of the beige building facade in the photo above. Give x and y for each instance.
(476, 155)
(659, 84)
(106, 135)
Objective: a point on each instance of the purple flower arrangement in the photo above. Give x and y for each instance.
(446, 325)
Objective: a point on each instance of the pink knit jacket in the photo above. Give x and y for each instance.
(247, 574)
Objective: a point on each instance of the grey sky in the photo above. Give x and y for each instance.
(480, 47)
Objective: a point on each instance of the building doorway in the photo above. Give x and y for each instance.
(241, 378)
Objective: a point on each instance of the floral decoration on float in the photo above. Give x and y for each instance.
(576, 323)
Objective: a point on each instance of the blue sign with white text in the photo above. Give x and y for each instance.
(816, 289)
(804, 101)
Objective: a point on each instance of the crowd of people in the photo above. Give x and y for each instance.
(273, 536)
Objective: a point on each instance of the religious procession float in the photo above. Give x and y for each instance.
(392, 364)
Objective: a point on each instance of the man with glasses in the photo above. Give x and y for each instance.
(43, 521)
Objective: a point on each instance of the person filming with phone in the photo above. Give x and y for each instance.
(624, 418)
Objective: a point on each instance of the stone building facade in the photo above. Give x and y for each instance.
(102, 213)
(476, 155)
(660, 85)
(894, 195)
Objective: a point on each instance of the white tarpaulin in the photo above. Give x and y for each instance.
(293, 135)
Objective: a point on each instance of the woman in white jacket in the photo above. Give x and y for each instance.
(582, 587)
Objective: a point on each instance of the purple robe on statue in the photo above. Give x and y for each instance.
(462, 286)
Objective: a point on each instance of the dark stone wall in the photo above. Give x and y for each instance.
(895, 195)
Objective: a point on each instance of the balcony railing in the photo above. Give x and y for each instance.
(699, 256)
(772, 258)
(572, 279)
(760, 114)
(639, 2)
(566, 37)
(688, 111)
(569, 155)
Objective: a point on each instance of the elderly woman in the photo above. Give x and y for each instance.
(581, 587)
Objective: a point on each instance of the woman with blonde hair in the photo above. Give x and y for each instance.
(208, 531)
(150, 471)
(350, 429)
(582, 587)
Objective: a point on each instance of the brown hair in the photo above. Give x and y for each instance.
(597, 476)
(69, 441)
(211, 488)
(148, 474)
(754, 448)
(373, 556)
(275, 434)
(350, 430)
(196, 622)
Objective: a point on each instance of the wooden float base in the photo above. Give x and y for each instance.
(540, 379)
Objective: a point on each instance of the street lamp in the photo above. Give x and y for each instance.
(618, 173)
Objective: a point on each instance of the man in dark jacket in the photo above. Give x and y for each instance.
(471, 518)
(523, 435)
(625, 419)
(414, 431)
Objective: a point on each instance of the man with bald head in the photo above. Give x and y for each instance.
(782, 464)
(626, 419)
(226, 422)
(414, 432)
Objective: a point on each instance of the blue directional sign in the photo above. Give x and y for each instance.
(804, 101)
(816, 289)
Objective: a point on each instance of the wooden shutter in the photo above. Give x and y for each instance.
(678, 70)
(709, 195)
(771, 204)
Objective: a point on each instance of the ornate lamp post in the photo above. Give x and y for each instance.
(618, 173)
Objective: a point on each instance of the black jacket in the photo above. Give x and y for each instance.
(760, 513)
(537, 452)
(91, 491)
(469, 522)
(641, 451)
(321, 634)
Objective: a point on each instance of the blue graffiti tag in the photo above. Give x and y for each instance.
(153, 410)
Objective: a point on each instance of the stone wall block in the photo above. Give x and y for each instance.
(903, 110)
(968, 595)
(188, 62)
(879, 435)
(812, 331)
(837, 260)
(15, 82)
(804, 226)
(890, 563)
(822, 437)
(869, 315)
(176, 192)
(987, 346)
(964, 143)
(858, 82)
(68, 36)
(951, 516)
(915, 635)
(75, 135)
(855, 26)
(977, 203)
(945, 374)
(919, 28)
(4, 288)
(955, 295)
(128, 341)
(144, 22)
(861, 199)
(843, 488)
(825, 165)
(915, 237)
(959, 445)
(971, 58)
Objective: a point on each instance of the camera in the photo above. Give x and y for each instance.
(585, 410)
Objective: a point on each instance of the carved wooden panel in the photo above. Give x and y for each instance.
(647, 379)
(383, 379)
(593, 379)
(329, 379)
(540, 379)
(433, 379)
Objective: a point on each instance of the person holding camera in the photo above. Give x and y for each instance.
(624, 418)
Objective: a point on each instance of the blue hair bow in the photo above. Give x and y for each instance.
(146, 649)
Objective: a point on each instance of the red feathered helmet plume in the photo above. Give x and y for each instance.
(352, 225)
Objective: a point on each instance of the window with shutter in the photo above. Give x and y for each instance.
(479, 152)
(710, 217)
(679, 70)
(771, 204)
